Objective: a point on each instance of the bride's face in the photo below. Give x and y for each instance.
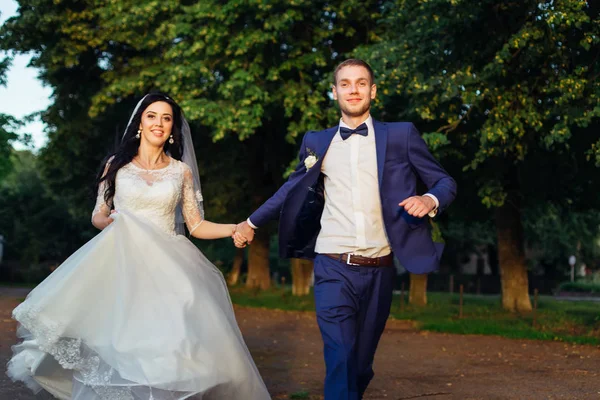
(157, 123)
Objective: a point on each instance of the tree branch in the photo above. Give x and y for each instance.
(454, 125)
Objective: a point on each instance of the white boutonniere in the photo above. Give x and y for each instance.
(311, 160)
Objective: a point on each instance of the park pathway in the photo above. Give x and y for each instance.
(409, 364)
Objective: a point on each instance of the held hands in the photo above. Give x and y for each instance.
(418, 206)
(243, 235)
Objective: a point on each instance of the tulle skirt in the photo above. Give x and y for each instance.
(134, 314)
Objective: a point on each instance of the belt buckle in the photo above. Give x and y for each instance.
(349, 262)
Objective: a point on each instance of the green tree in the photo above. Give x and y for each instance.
(8, 126)
(36, 225)
(505, 83)
(55, 34)
(253, 70)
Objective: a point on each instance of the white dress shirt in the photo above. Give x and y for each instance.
(352, 221)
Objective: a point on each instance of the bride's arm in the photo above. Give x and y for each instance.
(212, 230)
(198, 227)
(100, 215)
(101, 220)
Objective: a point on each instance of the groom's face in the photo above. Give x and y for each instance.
(354, 90)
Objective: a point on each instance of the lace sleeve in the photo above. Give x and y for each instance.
(190, 200)
(101, 205)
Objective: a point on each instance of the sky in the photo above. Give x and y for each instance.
(24, 93)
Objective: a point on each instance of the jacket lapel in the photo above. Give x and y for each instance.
(381, 135)
(325, 139)
(320, 146)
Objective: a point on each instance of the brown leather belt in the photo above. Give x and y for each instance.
(352, 259)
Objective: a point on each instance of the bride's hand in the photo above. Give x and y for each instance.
(111, 218)
(239, 240)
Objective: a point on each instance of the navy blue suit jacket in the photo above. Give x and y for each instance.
(402, 157)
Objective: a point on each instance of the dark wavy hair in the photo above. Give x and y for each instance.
(130, 144)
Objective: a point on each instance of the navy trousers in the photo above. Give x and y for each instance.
(353, 304)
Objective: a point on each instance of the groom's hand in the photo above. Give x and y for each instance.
(418, 206)
(246, 231)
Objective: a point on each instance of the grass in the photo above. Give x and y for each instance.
(300, 395)
(579, 287)
(572, 322)
(276, 299)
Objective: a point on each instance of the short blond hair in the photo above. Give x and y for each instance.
(353, 62)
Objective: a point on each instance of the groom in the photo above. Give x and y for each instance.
(351, 204)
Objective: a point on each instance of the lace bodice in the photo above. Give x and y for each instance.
(154, 195)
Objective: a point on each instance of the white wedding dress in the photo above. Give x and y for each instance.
(138, 312)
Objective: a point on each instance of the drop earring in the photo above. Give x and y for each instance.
(171, 140)
(138, 134)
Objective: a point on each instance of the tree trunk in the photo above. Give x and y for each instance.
(418, 290)
(234, 274)
(511, 257)
(258, 261)
(301, 275)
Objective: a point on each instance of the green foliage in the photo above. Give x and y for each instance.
(436, 233)
(4, 65)
(56, 33)
(36, 226)
(556, 231)
(219, 252)
(436, 141)
(594, 153)
(492, 194)
(517, 106)
(529, 82)
(8, 126)
(236, 66)
(508, 111)
(579, 287)
(242, 71)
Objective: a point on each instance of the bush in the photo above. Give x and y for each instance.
(579, 287)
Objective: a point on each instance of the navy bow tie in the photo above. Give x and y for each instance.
(361, 130)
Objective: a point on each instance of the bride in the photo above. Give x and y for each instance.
(138, 312)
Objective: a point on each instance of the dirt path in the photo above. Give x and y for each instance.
(409, 364)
